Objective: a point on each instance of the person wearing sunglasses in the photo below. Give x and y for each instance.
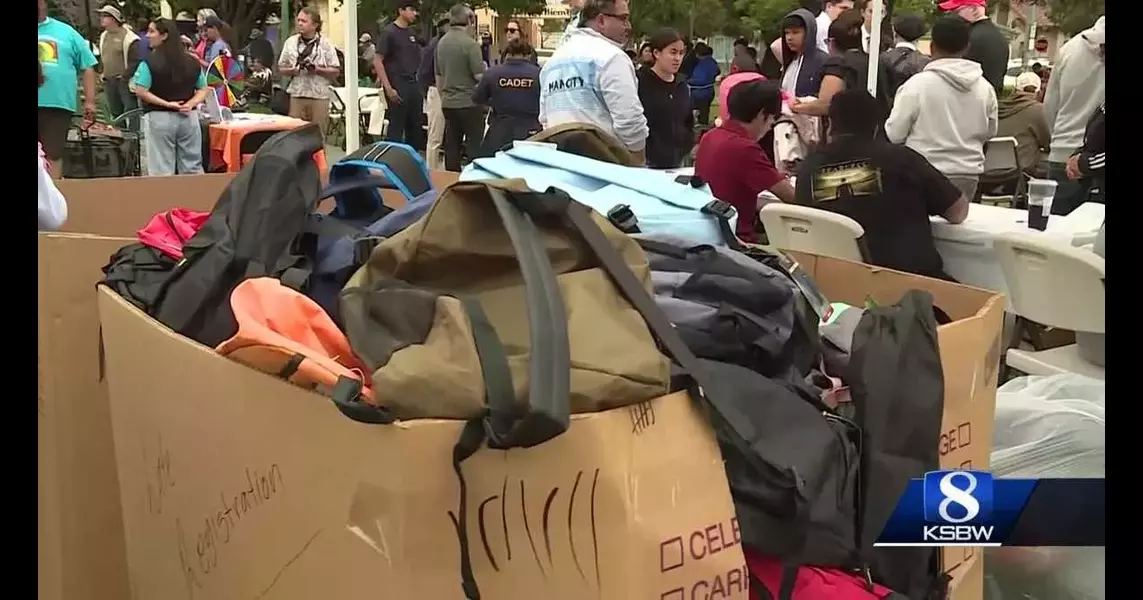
(590, 79)
(514, 33)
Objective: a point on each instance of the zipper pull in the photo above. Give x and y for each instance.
(868, 578)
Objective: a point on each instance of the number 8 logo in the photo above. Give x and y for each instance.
(962, 497)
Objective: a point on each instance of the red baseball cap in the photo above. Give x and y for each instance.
(952, 5)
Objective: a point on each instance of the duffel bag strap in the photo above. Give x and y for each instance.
(548, 412)
(707, 390)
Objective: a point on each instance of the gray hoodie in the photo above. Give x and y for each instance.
(1075, 91)
(946, 113)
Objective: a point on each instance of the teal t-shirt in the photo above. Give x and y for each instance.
(64, 54)
(142, 78)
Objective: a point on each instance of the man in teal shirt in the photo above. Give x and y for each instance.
(64, 54)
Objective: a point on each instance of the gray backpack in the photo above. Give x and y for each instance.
(734, 307)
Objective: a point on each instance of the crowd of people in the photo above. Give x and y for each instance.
(913, 148)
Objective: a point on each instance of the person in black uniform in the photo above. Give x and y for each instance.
(1088, 162)
(666, 102)
(396, 61)
(512, 90)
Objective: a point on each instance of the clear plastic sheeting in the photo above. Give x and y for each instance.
(1048, 427)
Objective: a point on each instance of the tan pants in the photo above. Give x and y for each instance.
(312, 110)
(434, 148)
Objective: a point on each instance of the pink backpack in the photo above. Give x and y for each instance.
(811, 583)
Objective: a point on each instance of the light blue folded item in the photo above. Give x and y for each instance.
(662, 202)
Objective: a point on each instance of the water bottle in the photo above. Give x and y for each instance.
(1040, 195)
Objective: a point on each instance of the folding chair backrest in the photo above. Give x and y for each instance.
(814, 231)
(1000, 155)
(1051, 282)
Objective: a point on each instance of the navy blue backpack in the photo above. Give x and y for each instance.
(342, 240)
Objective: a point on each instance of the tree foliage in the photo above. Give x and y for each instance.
(1073, 16)
(241, 15)
(378, 11)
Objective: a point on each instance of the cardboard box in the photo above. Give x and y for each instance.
(81, 549)
(210, 458)
(970, 358)
(236, 483)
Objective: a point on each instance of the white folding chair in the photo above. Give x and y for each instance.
(1001, 166)
(1054, 284)
(814, 231)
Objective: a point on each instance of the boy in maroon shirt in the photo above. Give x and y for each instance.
(730, 160)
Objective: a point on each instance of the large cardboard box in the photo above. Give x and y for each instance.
(236, 484)
(81, 548)
(229, 488)
(970, 357)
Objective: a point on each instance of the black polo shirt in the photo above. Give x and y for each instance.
(890, 190)
(400, 52)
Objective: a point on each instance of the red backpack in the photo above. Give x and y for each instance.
(810, 583)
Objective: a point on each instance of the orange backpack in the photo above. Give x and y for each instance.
(284, 333)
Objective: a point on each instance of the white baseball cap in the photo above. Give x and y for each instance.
(1028, 79)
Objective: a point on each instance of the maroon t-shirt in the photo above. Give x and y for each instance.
(737, 170)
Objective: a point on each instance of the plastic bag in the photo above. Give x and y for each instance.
(1048, 427)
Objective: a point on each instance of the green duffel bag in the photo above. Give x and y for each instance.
(492, 304)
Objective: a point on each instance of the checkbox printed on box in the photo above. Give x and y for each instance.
(964, 434)
(678, 594)
(671, 555)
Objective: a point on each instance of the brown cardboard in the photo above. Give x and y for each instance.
(236, 484)
(81, 548)
(970, 354)
(121, 206)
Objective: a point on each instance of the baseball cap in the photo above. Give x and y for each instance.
(212, 22)
(1028, 79)
(110, 11)
(365, 37)
(951, 5)
(909, 26)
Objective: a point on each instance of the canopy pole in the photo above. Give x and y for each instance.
(875, 46)
(352, 106)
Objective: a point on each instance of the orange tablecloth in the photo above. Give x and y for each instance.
(226, 139)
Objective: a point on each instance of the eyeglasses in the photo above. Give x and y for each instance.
(512, 30)
(625, 18)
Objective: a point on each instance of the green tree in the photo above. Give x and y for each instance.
(1073, 16)
(375, 11)
(241, 15)
(694, 18)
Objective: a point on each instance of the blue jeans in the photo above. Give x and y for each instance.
(173, 142)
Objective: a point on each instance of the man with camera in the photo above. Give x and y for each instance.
(311, 61)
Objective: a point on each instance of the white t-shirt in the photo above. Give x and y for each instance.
(790, 77)
(823, 31)
(52, 207)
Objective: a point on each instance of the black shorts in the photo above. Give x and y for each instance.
(54, 125)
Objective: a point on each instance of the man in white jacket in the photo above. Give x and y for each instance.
(1075, 93)
(947, 112)
(590, 79)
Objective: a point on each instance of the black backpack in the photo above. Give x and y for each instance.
(255, 230)
(897, 386)
(137, 272)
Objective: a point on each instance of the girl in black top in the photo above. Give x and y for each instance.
(170, 86)
(666, 102)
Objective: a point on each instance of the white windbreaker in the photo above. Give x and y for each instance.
(590, 79)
